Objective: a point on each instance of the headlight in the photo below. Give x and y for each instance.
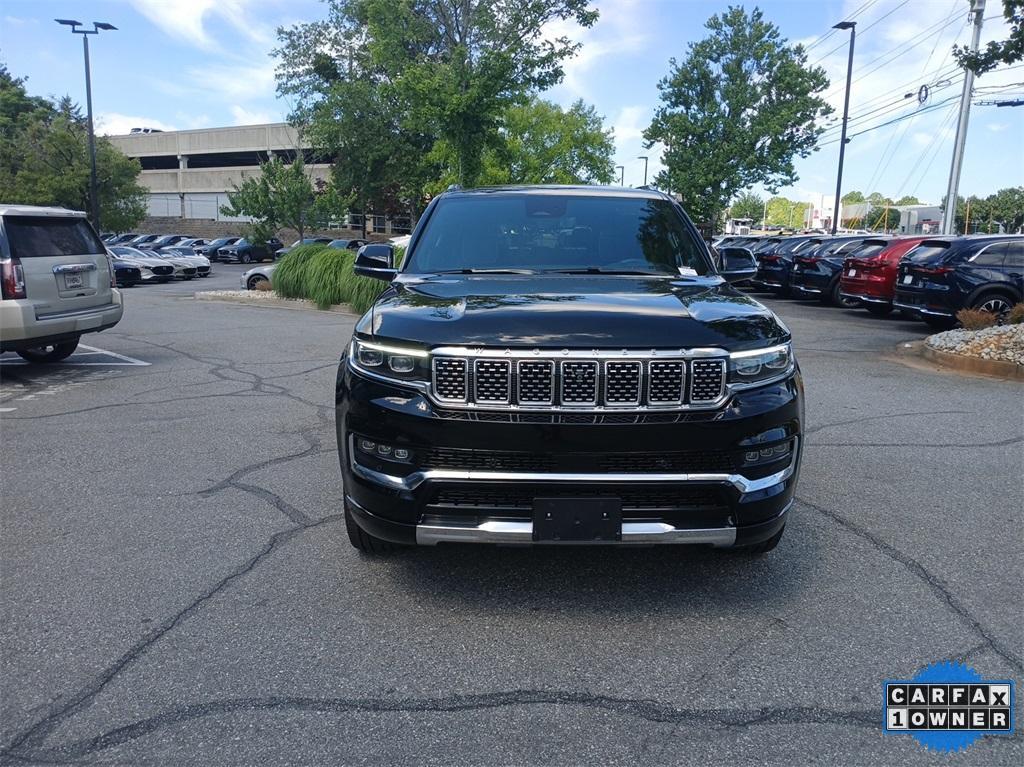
(400, 363)
(760, 365)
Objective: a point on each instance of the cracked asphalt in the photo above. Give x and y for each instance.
(177, 587)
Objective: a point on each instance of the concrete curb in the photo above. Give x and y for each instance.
(275, 303)
(974, 365)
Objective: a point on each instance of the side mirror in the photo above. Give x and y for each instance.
(376, 260)
(737, 264)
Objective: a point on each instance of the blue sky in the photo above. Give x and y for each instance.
(200, 63)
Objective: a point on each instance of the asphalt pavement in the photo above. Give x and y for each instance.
(177, 585)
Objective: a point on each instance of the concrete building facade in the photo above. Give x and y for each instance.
(188, 173)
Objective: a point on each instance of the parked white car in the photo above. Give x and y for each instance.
(152, 269)
(257, 276)
(201, 263)
(182, 268)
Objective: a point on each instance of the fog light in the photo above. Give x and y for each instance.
(767, 454)
(401, 453)
(750, 457)
(367, 446)
(383, 449)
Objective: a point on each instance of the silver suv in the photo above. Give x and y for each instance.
(56, 282)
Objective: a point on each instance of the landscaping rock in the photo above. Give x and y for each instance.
(1002, 342)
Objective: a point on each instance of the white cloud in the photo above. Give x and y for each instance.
(243, 116)
(235, 82)
(997, 127)
(619, 30)
(186, 19)
(631, 123)
(117, 124)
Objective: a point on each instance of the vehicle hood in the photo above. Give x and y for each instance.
(563, 311)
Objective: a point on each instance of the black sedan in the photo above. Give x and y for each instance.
(245, 252)
(126, 275)
(211, 248)
(304, 241)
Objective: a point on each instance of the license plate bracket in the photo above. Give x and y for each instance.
(73, 280)
(577, 519)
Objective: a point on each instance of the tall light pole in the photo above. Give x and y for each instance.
(949, 212)
(94, 193)
(622, 174)
(644, 158)
(852, 26)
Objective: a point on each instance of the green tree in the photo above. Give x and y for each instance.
(1006, 207)
(747, 205)
(280, 196)
(455, 66)
(736, 112)
(853, 198)
(44, 159)
(908, 199)
(788, 214)
(1008, 51)
(540, 143)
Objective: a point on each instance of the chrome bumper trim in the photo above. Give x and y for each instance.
(920, 310)
(414, 480)
(803, 289)
(864, 299)
(513, 532)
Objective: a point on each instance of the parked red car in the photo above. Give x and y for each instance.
(869, 272)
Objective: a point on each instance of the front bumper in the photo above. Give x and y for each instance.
(485, 503)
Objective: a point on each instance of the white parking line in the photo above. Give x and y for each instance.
(126, 361)
(7, 409)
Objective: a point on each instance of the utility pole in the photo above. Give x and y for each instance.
(764, 218)
(967, 218)
(852, 26)
(644, 158)
(949, 212)
(622, 174)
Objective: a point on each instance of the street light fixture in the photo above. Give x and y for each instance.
(622, 174)
(852, 26)
(644, 158)
(94, 202)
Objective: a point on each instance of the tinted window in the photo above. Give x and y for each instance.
(37, 236)
(992, 255)
(868, 249)
(550, 232)
(927, 251)
(1015, 255)
(792, 246)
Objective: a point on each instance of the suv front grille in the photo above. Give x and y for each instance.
(538, 384)
(634, 497)
(675, 461)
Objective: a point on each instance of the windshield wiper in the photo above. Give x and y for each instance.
(597, 270)
(487, 271)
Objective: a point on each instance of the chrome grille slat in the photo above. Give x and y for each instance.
(578, 382)
(536, 380)
(665, 382)
(622, 382)
(492, 381)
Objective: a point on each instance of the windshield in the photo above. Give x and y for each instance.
(551, 232)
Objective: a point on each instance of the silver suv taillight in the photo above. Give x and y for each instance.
(113, 273)
(12, 278)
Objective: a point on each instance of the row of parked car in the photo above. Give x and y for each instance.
(928, 277)
(237, 250)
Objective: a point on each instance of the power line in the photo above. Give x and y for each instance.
(832, 31)
(869, 26)
(923, 110)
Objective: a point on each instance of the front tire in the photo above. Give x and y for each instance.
(49, 353)
(255, 280)
(245, 258)
(362, 541)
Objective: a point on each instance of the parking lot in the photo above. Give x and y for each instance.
(178, 587)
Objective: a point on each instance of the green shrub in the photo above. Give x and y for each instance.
(363, 291)
(289, 278)
(328, 276)
(1016, 315)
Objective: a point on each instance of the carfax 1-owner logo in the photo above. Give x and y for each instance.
(947, 706)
